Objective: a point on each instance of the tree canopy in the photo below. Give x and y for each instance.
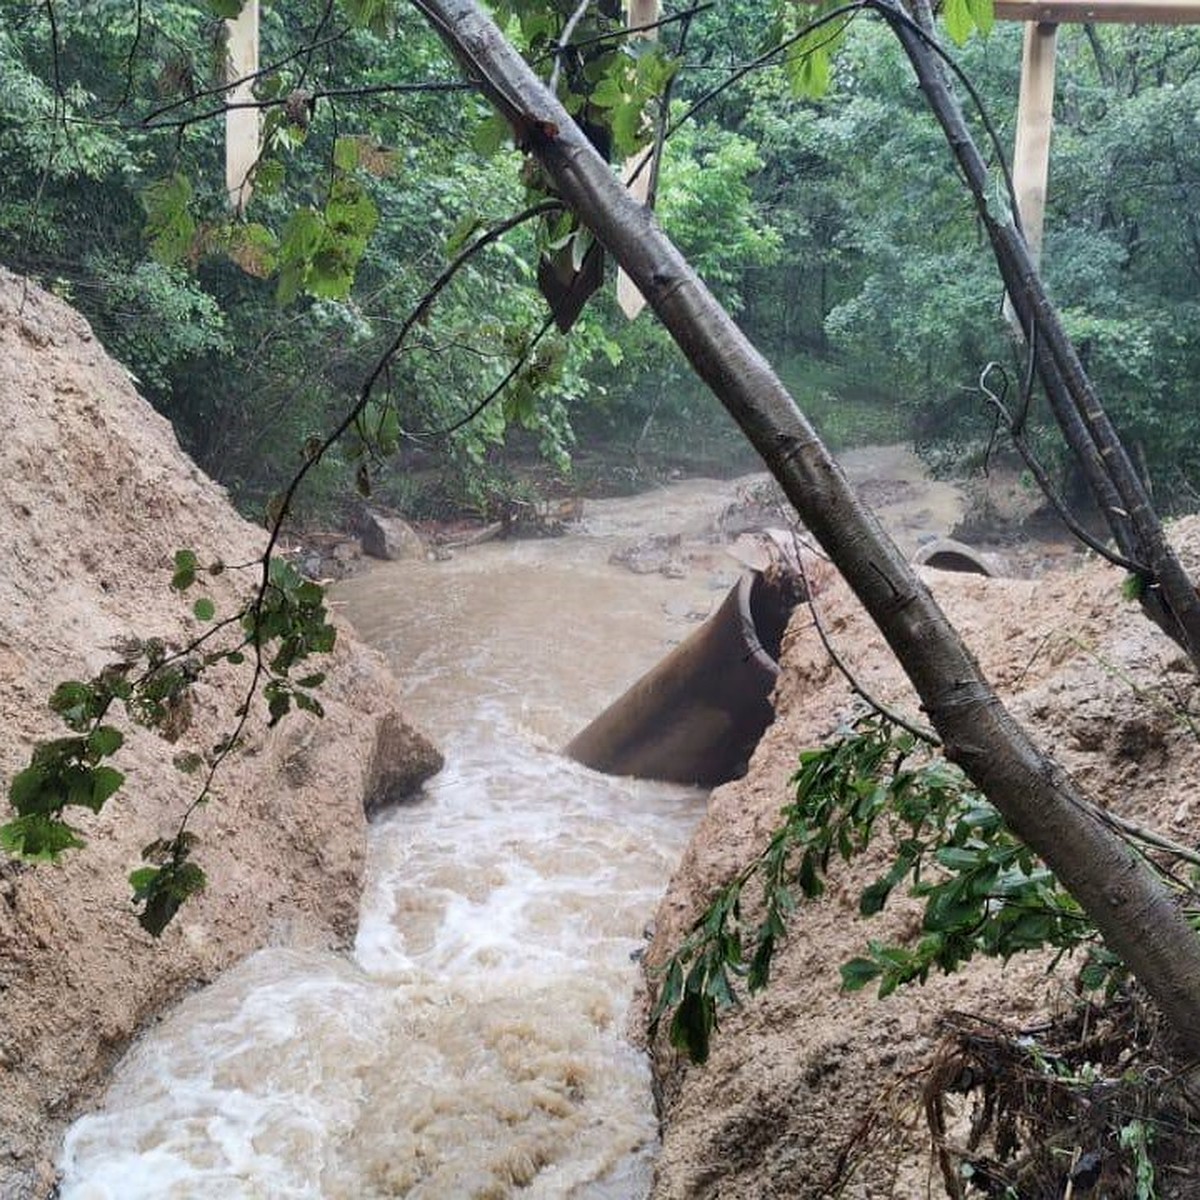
(833, 224)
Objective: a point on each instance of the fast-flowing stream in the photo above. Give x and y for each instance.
(473, 1045)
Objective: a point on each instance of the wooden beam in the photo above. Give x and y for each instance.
(1035, 111)
(1125, 12)
(242, 125)
(639, 170)
(1031, 155)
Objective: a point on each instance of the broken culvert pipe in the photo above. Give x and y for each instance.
(697, 716)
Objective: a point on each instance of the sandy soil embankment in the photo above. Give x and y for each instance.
(811, 1092)
(95, 498)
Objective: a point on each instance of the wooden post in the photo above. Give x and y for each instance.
(1035, 110)
(242, 125)
(640, 168)
(1031, 155)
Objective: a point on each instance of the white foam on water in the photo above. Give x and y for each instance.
(474, 1045)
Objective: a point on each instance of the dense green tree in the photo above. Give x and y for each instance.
(882, 271)
(812, 217)
(112, 194)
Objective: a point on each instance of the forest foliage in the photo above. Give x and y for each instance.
(833, 224)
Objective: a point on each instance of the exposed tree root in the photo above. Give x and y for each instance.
(1091, 1104)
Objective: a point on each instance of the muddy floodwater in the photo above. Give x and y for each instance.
(474, 1043)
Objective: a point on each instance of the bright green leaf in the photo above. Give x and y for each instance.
(142, 880)
(956, 16)
(983, 14)
(105, 741)
(345, 153)
(38, 837)
(858, 972)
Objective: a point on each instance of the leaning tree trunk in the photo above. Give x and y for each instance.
(1169, 598)
(1135, 913)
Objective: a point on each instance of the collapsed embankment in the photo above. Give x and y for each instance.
(95, 498)
(812, 1092)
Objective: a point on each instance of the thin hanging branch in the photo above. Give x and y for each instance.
(1015, 427)
(920, 732)
(254, 609)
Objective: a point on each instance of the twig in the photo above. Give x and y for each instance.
(849, 11)
(229, 85)
(564, 41)
(438, 86)
(454, 427)
(1149, 836)
(127, 88)
(1044, 482)
(921, 734)
(616, 35)
(1033, 658)
(254, 608)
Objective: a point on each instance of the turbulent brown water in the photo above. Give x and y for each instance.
(473, 1045)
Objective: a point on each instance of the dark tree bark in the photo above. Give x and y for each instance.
(1133, 910)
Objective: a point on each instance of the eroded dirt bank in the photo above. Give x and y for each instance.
(811, 1092)
(95, 497)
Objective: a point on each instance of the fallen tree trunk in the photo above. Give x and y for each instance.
(1134, 912)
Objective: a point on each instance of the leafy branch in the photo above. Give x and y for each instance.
(278, 629)
(282, 626)
(983, 891)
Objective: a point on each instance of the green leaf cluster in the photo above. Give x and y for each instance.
(320, 249)
(291, 619)
(162, 888)
(285, 624)
(963, 17)
(170, 224)
(699, 981)
(64, 772)
(808, 63)
(983, 891)
(376, 15)
(354, 202)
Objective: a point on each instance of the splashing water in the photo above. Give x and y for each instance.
(473, 1048)
(474, 1045)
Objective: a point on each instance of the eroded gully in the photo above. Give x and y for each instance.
(473, 1045)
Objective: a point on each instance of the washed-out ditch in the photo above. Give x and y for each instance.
(474, 1044)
